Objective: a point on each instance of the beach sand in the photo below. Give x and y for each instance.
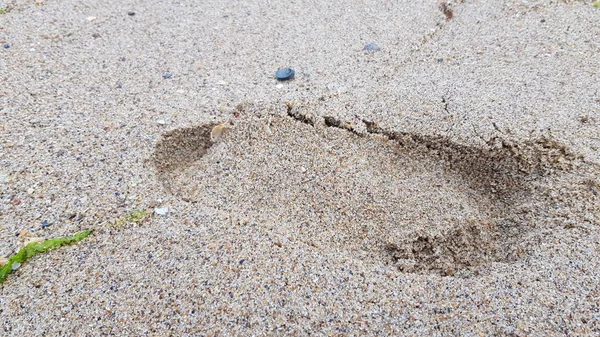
(447, 183)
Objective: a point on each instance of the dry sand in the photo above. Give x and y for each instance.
(445, 184)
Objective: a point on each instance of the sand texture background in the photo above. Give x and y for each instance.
(445, 184)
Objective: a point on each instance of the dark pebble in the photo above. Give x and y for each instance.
(122, 58)
(131, 13)
(440, 60)
(45, 224)
(167, 75)
(285, 74)
(543, 20)
(95, 35)
(372, 46)
(6, 46)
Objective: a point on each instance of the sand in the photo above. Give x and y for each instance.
(445, 184)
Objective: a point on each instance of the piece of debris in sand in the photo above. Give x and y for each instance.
(218, 131)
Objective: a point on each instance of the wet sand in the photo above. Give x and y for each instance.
(446, 183)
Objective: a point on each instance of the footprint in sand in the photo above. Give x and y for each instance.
(423, 204)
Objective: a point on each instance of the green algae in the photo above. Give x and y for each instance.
(34, 248)
(134, 216)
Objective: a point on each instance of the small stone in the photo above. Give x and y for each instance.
(167, 75)
(161, 122)
(131, 13)
(91, 18)
(30, 191)
(285, 74)
(6, 46)
(162, 211)
(4, 178)
(16, 266)
(45, 224)
(95, 35)
(440, 60)
(122, 59)
(371, 46)
(3, 261)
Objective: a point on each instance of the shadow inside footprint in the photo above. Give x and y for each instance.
(180, 148)
(422, 204)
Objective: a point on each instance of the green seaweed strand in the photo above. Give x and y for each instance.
(38, 247)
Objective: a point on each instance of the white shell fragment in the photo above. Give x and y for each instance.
(162, 211)
(4, 178)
